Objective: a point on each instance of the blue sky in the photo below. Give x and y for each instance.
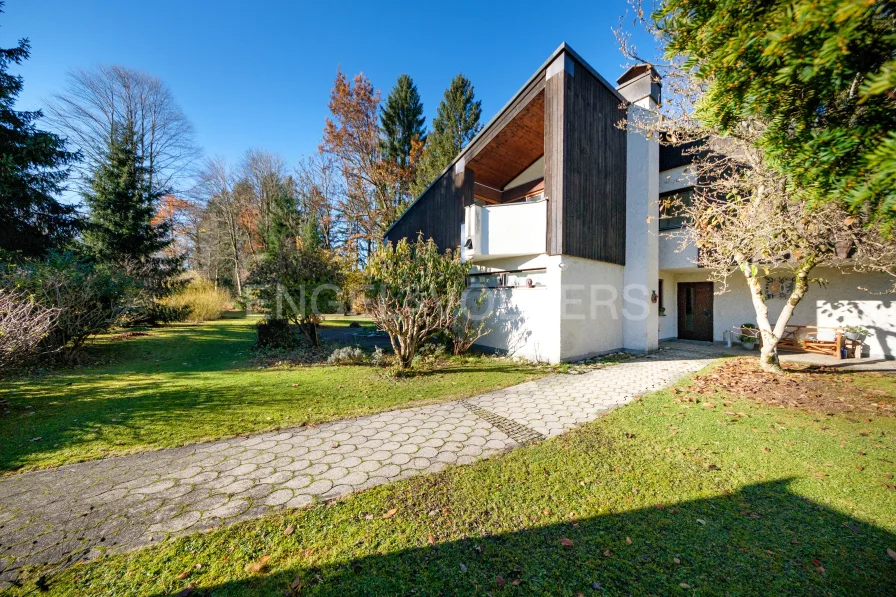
(258, 73)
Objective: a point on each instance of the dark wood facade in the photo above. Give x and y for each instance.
(585, 166)
(568, 114)
(439, 212)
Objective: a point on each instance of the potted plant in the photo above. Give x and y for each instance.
(748, 339)
(662, 311)
(855, 332)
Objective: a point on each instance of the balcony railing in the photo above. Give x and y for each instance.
(508, 230)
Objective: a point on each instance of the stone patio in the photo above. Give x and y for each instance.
(81, 511)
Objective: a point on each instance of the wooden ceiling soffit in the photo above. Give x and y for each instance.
(513, 143)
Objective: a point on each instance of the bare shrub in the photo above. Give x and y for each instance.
(24, 323)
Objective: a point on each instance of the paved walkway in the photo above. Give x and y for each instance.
(79, 511)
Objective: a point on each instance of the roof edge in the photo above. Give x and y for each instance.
(563, 47)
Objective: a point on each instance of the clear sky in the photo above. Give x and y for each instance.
(257, 73)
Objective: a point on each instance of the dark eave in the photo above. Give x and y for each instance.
(564, 47)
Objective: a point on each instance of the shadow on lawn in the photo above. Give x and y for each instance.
(763, 539)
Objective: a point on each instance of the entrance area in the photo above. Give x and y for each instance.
(695, 311)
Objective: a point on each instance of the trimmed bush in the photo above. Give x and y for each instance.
(198, 301)
(277, 334)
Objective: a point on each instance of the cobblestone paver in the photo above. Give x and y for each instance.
(79, 511)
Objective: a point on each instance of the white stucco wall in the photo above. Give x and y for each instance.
(533, 172)
(641, 234)
(576, 314)
(839, 302)
(670, 254)
(590, 308)
(525, 321)
(668, 324)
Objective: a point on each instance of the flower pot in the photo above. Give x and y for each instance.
(854, 336)
(748, 345)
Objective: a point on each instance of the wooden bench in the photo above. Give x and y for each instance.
(822, 340)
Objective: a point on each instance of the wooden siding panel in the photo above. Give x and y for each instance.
(594, 162)
(439, 212)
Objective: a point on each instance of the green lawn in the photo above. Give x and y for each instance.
(664, 496)
(188, 383)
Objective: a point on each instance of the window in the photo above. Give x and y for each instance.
(670, 205)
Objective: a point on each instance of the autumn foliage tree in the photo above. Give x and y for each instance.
(372, 197)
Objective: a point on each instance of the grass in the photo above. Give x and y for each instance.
(664, 496)
(189, 383)
(343, 321)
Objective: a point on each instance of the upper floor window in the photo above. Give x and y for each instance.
(670, 208)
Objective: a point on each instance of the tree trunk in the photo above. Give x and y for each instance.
(768, 353)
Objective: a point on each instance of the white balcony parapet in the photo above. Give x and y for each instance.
(509, 230)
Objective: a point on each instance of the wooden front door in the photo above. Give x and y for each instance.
(695, 311)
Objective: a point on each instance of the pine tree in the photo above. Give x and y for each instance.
(455, 125)
(32, 170)
(402, 121)
(122, 204)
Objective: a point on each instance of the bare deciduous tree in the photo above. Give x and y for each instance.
(319, 188)
(93, 101)
(226, 220)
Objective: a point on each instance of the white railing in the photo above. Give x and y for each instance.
(509, 230)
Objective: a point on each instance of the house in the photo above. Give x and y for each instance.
(557, 206)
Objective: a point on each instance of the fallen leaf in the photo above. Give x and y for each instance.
(548, 512)
(628, 540)
(516, 582)
(566, 542)
(701, 521)
(676, 560)
(296, 585)
(288, 530)
(819, 475)
(891, 553)
(607, 553)
(684, 585)
(260, 566)
(188, 590)
(500, 581)
(463, 568)
(390, 513)
(431, 540)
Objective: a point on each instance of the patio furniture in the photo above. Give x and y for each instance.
(821, 340)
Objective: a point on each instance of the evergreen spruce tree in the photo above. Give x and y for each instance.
(32, 170)
(122, 204)
(402, 121)
(455, 124)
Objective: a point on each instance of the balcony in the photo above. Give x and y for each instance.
(507, 230)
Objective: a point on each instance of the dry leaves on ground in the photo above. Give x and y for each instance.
(808, 387)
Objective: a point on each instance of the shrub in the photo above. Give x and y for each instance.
(198, 301)
(276, 334)
(347, 355)
(298, 284)
(24, 323)
(90, 298)
(416, 293)
(378, 358)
